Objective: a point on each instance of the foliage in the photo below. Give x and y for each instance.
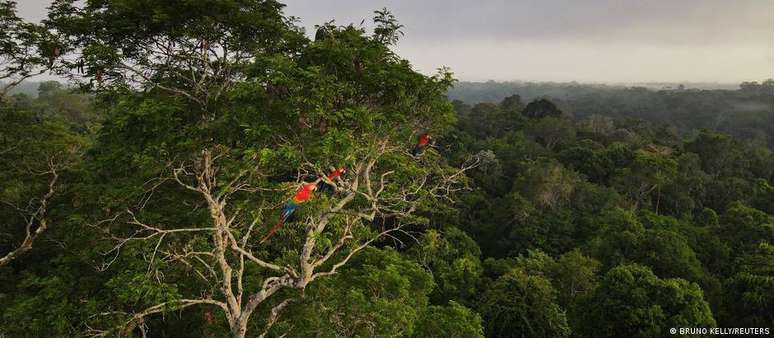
(520, 304)
(632, 301)
(541, 108)
(385, 296)
(454, 259)
(453, 320)
(750, 291)
(743, 111)
(26, 49)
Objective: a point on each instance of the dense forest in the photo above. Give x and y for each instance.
(744, 112)
(139, 199)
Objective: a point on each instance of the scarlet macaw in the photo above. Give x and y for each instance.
(422, 144)
(302, 195)
(329, 185)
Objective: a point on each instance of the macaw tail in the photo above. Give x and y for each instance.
(286, 213)
(289, 209)
(273, 230)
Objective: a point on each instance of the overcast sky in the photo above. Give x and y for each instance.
(566, 40)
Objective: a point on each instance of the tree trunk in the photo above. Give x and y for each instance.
(239, 329)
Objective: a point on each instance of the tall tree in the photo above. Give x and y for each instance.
(219, 110)
(455, 261)
(541, 108)
(523, 303)
(633, 302)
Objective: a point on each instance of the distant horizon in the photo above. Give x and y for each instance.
(607, 83)
(687, 84)
(30, 87)
(49, 77)
(647, 84)
(45, 77)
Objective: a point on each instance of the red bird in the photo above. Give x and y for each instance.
(336, 173)
(329, 185)
(422, 144)
(302, 195)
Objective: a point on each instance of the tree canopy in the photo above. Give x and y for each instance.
(141, 197)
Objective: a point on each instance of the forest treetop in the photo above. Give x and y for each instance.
(134, 204)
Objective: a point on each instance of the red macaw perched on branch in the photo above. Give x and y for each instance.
(302, 195)
(330, 185)
(422, 144)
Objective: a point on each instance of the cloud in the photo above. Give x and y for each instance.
(590, 40)
(34, 10)
(655, 21)
(564, 40)
(585, 62)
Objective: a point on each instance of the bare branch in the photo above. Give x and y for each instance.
(274, 315)
(128, 327)
(36, 220)
(364, 195)
(351, 254)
